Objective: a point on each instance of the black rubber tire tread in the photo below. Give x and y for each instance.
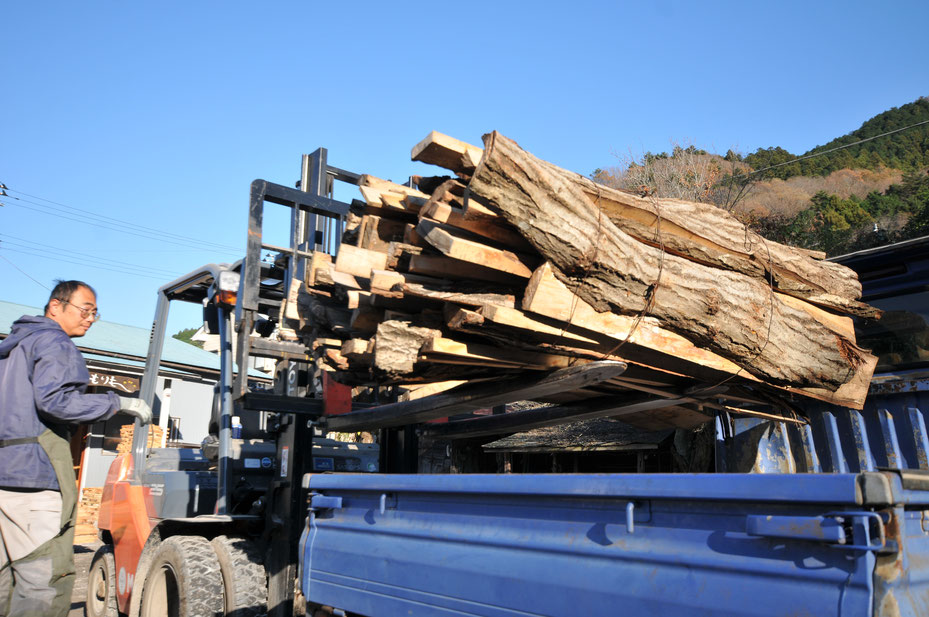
(196, 570)
(244, 578)
(103, 559)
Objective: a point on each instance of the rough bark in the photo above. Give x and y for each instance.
(724, 311)
(702, 232)
(397, 346)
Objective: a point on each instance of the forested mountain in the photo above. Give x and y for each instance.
(866, 195)
(907, 150)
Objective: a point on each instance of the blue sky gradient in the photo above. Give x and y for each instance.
(161, 114)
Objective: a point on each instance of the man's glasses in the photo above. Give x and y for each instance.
(85, 313)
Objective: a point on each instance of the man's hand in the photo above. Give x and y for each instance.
(136, 407)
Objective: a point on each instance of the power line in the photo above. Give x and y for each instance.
(127, 223)
(89, 265)
(77, 259)
(23, 272)
(37, 246)
(131, 227)
(148, 236)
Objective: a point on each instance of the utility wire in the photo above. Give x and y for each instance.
(128, 223)
(23, 272)
(74, 259)
(99, 267)
(57, 213)
(36, 246)
(133, 226)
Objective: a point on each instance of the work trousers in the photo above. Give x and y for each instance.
(36, 555)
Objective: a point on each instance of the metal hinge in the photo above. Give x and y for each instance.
(848, 530)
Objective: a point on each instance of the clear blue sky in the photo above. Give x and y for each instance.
(160, 114)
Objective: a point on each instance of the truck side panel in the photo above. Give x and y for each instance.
(525, 545)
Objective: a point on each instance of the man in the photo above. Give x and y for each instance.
(43, 380)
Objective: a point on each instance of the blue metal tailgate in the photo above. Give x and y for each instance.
(675, 544)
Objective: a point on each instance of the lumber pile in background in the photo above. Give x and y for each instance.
(85, 531)
(513, 264)
(155, 438)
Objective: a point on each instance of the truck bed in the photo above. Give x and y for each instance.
(681, 544)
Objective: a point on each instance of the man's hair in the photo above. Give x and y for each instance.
(65, 289)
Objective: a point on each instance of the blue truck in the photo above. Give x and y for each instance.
(825, 513)
(830, 517)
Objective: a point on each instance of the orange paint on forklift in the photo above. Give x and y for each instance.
(125, 512)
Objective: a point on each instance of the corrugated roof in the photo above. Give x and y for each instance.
(120, 339)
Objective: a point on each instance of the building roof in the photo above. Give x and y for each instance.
(115, 342)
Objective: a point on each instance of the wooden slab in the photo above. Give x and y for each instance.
(447, 152)
(358, 261)
(454, 246)
(456, 269)
(477, 396)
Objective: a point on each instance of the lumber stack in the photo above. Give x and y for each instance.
(85, 531)
(126, 432)
(513, 264)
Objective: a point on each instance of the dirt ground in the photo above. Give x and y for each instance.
(83, 553)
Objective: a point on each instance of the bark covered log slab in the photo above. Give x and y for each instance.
(701, 232)
(724, 311)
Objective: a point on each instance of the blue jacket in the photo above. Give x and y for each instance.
(43, 380)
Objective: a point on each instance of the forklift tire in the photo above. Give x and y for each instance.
(245, 583)
(183, 580)
(101, 585)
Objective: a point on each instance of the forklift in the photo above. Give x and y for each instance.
(214, 530)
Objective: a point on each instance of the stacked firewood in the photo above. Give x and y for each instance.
(513, 264)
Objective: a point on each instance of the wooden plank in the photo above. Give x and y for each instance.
(372, 196)
(493, 229)
(318, 260)
(456, 269)
(513, 318)
(411, 236)
(475, 252)
(603, 407)
(414, 392)
(383, 282)
(477, 396)
(446, 152)
(376, 232)
(358, 350)
(468, 299)
(289, 308)
(487, 353)
(358, 261)
(356, 298)
(390, 284)
(391, 187)
(344, 279)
